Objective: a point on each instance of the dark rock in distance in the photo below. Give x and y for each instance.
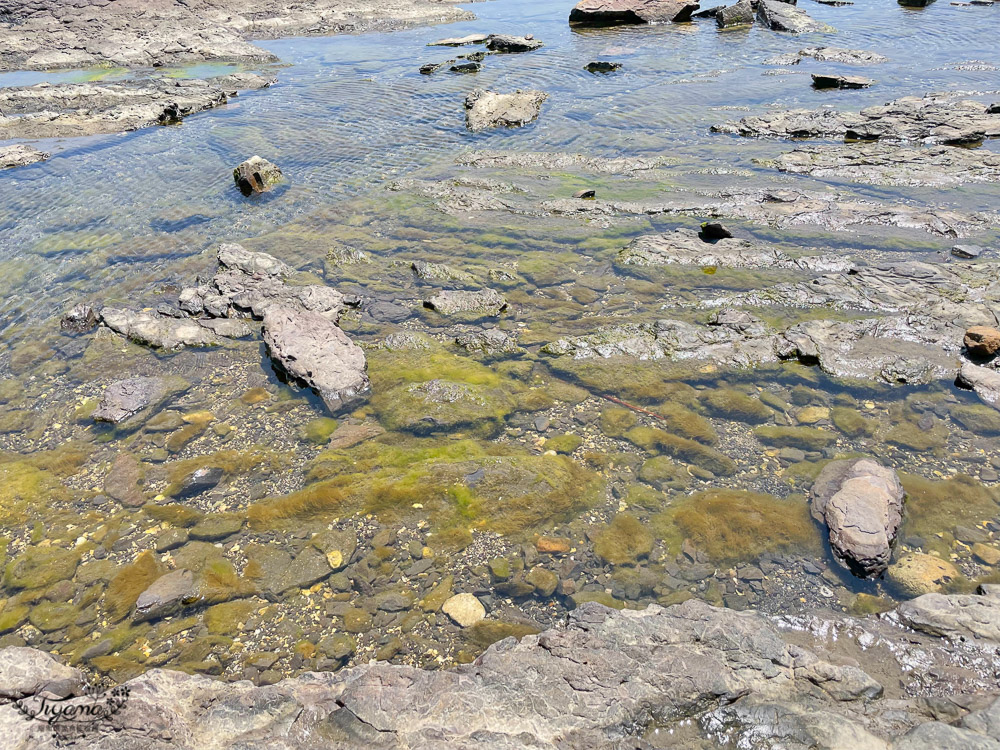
(967, 252)
(585, 194)
(602, 66)
(505, 43)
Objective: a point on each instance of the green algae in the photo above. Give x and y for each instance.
(806, 438)
(487, 632)
(686, 424)
(624, 541)
(52, 616)
(938, 506)
(908, 434)
(733, 525)
(728, 403)
(664, 474)
(977, 418)
(852, 423)
(130, 581)
(318, 431)
(566, 443)
(36, 567)
(658, 441)
(615, 421)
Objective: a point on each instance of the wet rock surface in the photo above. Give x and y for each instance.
(78, 109)
(612, 12)
(256, 175)
(20, 155)
(782, 16)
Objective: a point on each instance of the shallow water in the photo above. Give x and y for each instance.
(130, 218)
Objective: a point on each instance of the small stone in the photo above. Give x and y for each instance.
(833, 81)
(165, 596)
(357, 621)
(200, 480)
(812, 414)
(80, 319)
(336, 559)
(544, 581)
(465, 610)
(553, 545)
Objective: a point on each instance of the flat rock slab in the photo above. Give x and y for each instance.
(20, 155)
(313, 350)
(985, 381)
(613, 12)
(861, 503)
(782, 16)
(505, 43)
(460, 41)
(957, 616)
(26, 671)
(165, 596)
(67, 110)
(938, 118)
(489, 109)
(843, 55)
(157, 331)
(885, 164)
(124, 399)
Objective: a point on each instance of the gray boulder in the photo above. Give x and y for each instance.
(861, 503)
(313, 350)
(124, 399)
(782, 16)
(956, 616)
(25, 671)
(505, 43)
(156, 330)
(20, 155)
(483, 302)
(983, 380)
(740, 14)
(489, 109)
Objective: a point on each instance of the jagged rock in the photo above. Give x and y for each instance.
(685, 247)
(26, 671)
(883, 164)
(712, 231)
(740, 14)
(841, 55)
(124, 399)
(782, 16)
(935, 118)
(439, 272)
(969, 252)
(982, 341)
(313, 350)
(256, 175)
(199, 480)
(20, 155)
(460, 41)
(861, 503)
(165, 596)
(155, 330)
(613, 12)
(485, 302)
(955, 616)
(466, 67)
(837, 81)
(492, 342)
(917, 574)
(984, 381)
(80, 319)
(489, 109)
(68, 110)
(505, 43)
(249, 283)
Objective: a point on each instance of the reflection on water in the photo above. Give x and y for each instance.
(289, 539)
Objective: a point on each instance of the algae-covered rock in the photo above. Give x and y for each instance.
(685, 423)
(806, 438)
(660, 441)
(852, 423)
(616, 421)
(624, 541)
(131, 581)
(52, 616)
(487, 632)
(664, 474)
(728, 403)
(916, 574)
(24, 488)
(936, 506)
(442, 405)
(566, 443)
(977, 418)
(40, 566)
(227, 617)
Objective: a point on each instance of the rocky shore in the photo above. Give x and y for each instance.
(688, 674)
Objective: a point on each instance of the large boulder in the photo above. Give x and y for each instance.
(489, 109)
(312, 349)
(25, 671)
(782, 16)
(861, 503)
(612, 12)
(740, 14)
(958, 616)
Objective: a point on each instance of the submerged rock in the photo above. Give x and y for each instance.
(861, 503)
(20, 155)
(602, 66)
(80, 319)
(983, 380)
(312, 349)
(165, 596)
(460, 41)
(256, 175)
(613, 12)
(485, 302)
(155, 330)
(465, 610)
(489, 109)
(126, 398)
(841, 55)
(917, 574)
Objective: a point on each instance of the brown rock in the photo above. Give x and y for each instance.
(553, 545)
(982, 341)
(122, 482)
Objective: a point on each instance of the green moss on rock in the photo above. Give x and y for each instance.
(659, 441)
(805, 438)
(624, 541)
(728, 403)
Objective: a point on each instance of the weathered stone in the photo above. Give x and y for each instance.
(126, 398)
(316, 352)
(984, 381)
(155, 330)
(460, 41)
(80, 319)
(782, 16)
(982, 341)
(613, 12)
(123, 481)
(26, 671)
(256, 175)
(841, 55)
(967, 252)
(740, 14)
(490, 109)
(505, 43)
(601, 66)
(955, 616)
(838, 81)
(861, 503)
